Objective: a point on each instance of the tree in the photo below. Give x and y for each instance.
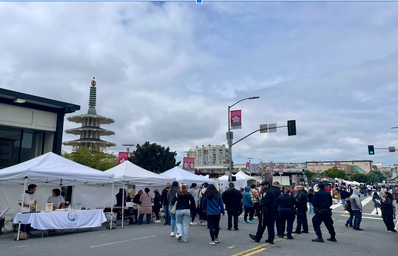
(310, 175)
(154, 158)
(359, 177)
(376, 176)
(335, 173)
(387, 173)
(99, 160)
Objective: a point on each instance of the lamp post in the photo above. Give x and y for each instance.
(229, 136)
(128, 146)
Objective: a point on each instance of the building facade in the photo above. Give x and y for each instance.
(30, 126)
(358, 166)
(209, 155)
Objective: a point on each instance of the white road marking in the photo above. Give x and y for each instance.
(124, 241)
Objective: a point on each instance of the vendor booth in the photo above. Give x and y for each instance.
(222, 183)
(249, 179)
(182, 176)
(48, 171)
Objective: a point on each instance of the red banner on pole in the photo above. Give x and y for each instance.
(123, 156)
(280, 168)
(185, 163)
(236, 119)
(271, 167)
(338, 164)
(248, 166)
(191, 163)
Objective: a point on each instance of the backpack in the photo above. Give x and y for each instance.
(348, 206)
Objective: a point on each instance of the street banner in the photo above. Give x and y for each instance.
(123, 156)
(248, 166)
(338, 164)
(236, 119)
(280, 168)
(271, 167)
(191, 163)
(185, 163)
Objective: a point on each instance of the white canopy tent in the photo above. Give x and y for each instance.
(249, 179)
(222, 182)
(48, 170)
(182, 176)
(127, 172)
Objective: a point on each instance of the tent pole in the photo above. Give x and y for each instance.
(123, 206)
(20, 214)
(113, 188)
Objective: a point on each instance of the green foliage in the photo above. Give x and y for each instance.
(154, 158)
(310, 175)
(334, 172)
(376, 176)
(99, 160)
(359, 177)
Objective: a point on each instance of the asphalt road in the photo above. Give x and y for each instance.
(154, 239)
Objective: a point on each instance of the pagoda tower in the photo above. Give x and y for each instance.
(90, 131)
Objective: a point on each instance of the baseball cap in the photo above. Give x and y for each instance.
(264, 183)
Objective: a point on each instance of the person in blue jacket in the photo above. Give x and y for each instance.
(249, 205)
(213, 206)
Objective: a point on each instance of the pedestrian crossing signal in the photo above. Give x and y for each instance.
(371, 149)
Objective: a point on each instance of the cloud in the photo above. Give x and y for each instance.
(167, 72)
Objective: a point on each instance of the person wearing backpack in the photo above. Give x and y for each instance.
(348, 209)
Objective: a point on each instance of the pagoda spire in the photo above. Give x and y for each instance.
(93, 98)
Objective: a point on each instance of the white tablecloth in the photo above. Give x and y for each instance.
(63, 220)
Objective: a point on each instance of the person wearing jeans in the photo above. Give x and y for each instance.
(172, 191)
(214, 207)
(185, 202)
(165, 203)
(249, 205)
(356, 207)
(232, 199)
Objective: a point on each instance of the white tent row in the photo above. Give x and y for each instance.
(49, 170)
(183, 176)
(222, 183)
(249, 179)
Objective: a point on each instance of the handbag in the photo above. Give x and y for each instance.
(173, 210)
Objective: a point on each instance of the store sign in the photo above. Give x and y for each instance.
(236, 119)
(123, 156)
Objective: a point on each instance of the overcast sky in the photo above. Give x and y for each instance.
(167, 72)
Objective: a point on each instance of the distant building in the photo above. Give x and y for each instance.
(30, 126)
(358, 166)
(90, 132)
(209, 155)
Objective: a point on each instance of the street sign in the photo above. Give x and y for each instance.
(272, 128)
(391, 149)
(263, 128)
(230, 135)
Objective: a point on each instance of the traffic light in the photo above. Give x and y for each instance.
(371, 149)
(303, 171)
(291, 127)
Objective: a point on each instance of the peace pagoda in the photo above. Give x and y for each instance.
(90, 132)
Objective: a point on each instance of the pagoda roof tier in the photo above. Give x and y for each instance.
(101, 132)
(88, 140)
(102, 119)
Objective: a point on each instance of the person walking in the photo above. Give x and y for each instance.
(249, 206)
(213, 206)
(194, 192)
(267, 214)
(156, 205)
(344, 195)
(301, 207)
(255, 198)
(376, 201)
(322, 201)
(165, 203)
(356, 208)
(146, 206)
(232, 199)
(202, 215)
(277, 191)
(286, 204)
(387, 211)
(310, 195)
(172, 191)
(185, 202)
(348, 209)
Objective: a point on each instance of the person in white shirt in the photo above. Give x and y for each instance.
(57, 200)
(25, 200)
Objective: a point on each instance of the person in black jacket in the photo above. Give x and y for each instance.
(277, 192)
(165, 203)
(268, 208)
(156, 205)
(232, 200)
(322, 201)
(302, 199)
(343, 195)
(286, 204)
(387, 211)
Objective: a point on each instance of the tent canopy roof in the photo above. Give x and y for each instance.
(129, 172)
(53, 169)
(183, 176)
(244, 175)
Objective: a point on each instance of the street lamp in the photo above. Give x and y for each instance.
(128, 146)
(229, 135)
